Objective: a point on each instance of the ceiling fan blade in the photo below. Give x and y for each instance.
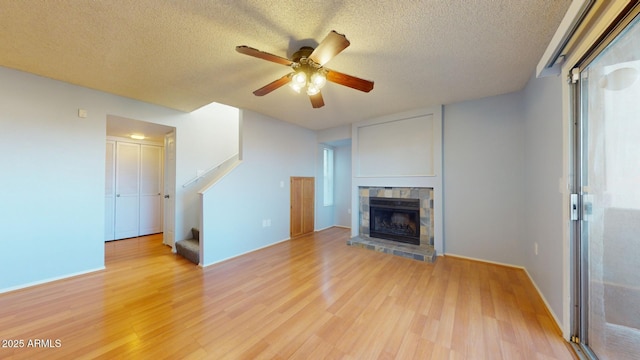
(242, 49)
(331, 46)
(349, 81)
(316, 100)
(273, 85)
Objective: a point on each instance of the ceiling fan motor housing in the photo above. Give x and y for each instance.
(304, 52)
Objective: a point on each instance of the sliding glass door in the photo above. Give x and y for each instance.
(608, 234)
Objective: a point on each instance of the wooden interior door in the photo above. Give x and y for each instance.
(302, 205)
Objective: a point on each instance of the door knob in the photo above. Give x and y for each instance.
(166, 196)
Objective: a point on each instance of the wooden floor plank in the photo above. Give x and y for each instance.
(311, 297)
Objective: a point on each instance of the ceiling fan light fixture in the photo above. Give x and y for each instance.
(299, 78)
(318, 79)
(296, 87)
(298, 81)
(312, 89)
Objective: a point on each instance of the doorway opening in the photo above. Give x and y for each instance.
(139, 180)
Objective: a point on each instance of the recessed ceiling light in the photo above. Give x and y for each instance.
(137, 136)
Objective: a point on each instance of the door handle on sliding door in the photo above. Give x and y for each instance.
(574, 206)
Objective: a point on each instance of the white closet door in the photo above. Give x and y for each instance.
(169, 203)
(109, 191)
(127, 190)
(150, 189)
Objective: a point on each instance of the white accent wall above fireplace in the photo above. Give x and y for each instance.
(400, 150)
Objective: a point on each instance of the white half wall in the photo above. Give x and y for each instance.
(205, 138)
(249, 208)
(53, 172)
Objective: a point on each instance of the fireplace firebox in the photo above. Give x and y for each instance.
(395, 219)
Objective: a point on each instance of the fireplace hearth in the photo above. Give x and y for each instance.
(405, 222)
(395, 219)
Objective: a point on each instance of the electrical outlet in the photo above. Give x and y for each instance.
(535, 248)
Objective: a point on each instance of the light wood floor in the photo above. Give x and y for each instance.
(309, 298)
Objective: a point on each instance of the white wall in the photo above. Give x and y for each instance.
(339, 138)
(402, 147)
(503, 162)
(258, 189)
(543, 197)
(342, 186)
(53, 172)
(335, 134)
(325, 215)
(484, 179)
(338, 213)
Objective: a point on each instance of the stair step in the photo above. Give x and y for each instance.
(190, 249)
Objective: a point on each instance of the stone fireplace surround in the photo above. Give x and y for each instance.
(425, 251)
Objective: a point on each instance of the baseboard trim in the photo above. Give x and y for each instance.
(544, 300)
(546, 303)
(482, 260)
(328, 227)
(49, 280)
(260, 248)
(342, 226)
(333, 226)
(244, 253)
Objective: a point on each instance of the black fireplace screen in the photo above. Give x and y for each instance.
(395, 219)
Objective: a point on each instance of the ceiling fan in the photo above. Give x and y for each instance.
(308, 69)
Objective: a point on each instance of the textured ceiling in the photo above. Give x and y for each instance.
(181, 54)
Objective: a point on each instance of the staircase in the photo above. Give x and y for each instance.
(190, 248)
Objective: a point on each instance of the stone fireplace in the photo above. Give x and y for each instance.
(397, 220)
(399, 156)
(425, 208)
